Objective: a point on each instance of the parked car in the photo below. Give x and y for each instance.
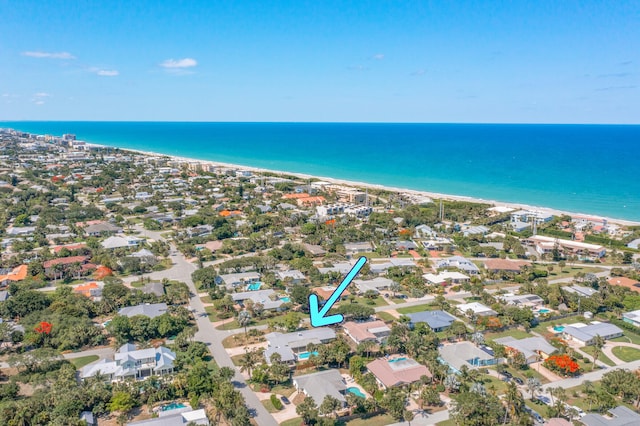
(518, 380)
(543, 399)
(285, 400)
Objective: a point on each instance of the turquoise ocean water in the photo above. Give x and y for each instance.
(591, 169)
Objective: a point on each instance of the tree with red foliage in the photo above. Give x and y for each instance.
(562, 364)
(44, 328)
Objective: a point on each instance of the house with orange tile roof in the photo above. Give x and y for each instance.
(230, 213)
(91, 290)
(18, 273)
(324, 293)
(70, 247)
(310, 201)
(625, 282)
(295, 196)
(398, 370)
(373, 331)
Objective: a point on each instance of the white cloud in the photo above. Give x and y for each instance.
(378, 56)
(104, 73)
(39, 98)
(179, 63)
(49, 55)
(108, 73)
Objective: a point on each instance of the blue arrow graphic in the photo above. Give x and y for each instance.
(318, 317)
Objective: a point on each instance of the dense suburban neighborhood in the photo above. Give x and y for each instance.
(140, 289)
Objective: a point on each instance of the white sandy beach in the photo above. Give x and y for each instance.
(364, 185)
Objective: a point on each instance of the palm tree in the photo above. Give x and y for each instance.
(533, 386)
(598, 344)
(248, 361)
(244, 318)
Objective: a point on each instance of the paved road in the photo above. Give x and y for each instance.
(592, 376)
(427, 420)
(101, 352)
(213, 338)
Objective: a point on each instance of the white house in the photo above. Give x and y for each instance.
(131, 363)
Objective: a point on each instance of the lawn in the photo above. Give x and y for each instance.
(492, 384)
(602, 357)
(514, 332)
(417, 308)
(83, 360)
(447, 423)
(233, 324)
(626, 354)
(292, 422)
(385, 316)
(269, 406)
(378, 301)
(381, 420)
(242, 340)
(629, 337)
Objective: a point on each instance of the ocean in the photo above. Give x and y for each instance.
(592, 169)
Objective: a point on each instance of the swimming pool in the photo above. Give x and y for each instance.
(544, 311)
(306, 355)
(558, 328)
(285, 299)
(397, 359)
(173, 406)
(356, 392)
(254, 286)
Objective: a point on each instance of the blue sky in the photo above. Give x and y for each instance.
(379, 61)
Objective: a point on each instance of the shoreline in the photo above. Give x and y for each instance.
(365, 185)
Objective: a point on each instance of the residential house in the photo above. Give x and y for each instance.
(581, 291)
(436, 320)
(375, 285)
(632, 318)
(118, 241)
(91, 290)
(397, 370)
(319, 385)
(585, 334)
(456, 355)
(458, 262)
(475, 230)
(155, 287)
(372, 331)
(131, 363)
(357, 248)
(267, 298)
(341, 267)
(544, 245)
(238, 279)
(315, 250)
(477, 308)
(521, 300)
(99, 228)
(531, 215)
(176, 417)
(325, 292)
(16, 274)
(619, 416)
(50, 265)
(293, 276)
(150, 310)
(446, 277)
(533, 348)
(293, 346)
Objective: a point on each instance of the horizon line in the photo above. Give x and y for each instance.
(326, 122)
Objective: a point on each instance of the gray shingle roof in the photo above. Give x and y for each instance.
(435, 319)
(148, 310)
